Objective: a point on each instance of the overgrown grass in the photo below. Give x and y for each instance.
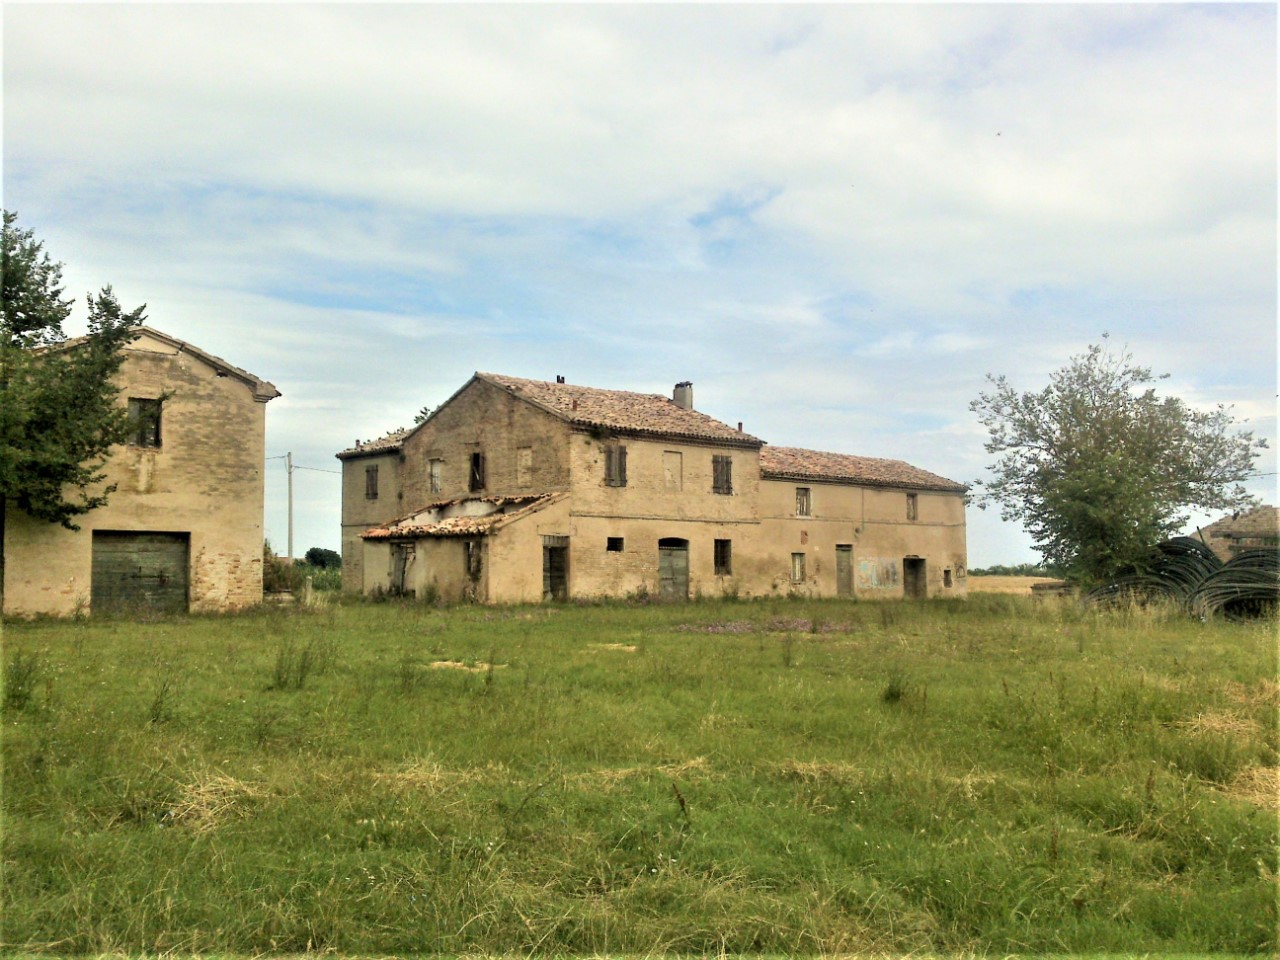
(993, 776)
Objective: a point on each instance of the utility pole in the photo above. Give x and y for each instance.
(288, 462)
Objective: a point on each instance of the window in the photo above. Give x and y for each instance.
(473, 559)
(722, 474)
(614, 545)
(946, 578)
(524, 466)
(371, 483)
(615, 465)
(724, 558)
(477, 471)
(797, 567)
(433, 474)
(672, 470)
(912, 507)
(144, 422)
(803, 503)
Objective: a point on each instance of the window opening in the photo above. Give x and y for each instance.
(804, 504)
(613, 544)
(946, 578)
(722, 474)
(433, 474)
(912, 507)
(724, 558)
(144, 422)
(371, 482)
(615, 465)
(797, 567)
(477, 471)
(673, 470)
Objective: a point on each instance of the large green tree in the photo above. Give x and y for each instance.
(59, 410)
(1098, 468)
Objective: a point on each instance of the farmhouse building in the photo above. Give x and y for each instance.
(1256, 529)
(183, 529)
(522, 490)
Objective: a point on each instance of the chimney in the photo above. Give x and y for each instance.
(682, 395)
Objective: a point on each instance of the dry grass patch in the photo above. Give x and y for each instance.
(608, 778)
(1264, 693)
(1227, 724)
(1257, 785)
(468, 667)
(813, 771)
(431, 777)
(624, 647)
(1022, 586)
(204, 804)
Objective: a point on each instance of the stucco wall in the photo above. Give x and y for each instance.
(205, 479)
(482, 418)
(360, 512)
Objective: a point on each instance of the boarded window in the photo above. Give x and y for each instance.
(672, 470)
(614, 544)
(797, 567)
(912, 507)
(524, 466)
(433, 474)
(804, 506)
(724, 558)
(144, 422)
(477, 471)
(371, 483)
(722, 474)
(615, 465)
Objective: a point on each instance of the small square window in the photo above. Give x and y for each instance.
(724, 558)
(613, 544)
(797, 567)
(144, 422)
(804, 505)
(371, 483)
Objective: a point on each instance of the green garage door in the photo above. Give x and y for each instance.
(139, 571)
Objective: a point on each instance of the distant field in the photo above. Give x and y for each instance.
(997, 775)
(997, 584)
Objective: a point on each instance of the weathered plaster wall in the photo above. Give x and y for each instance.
(360, 512)
(206, 479)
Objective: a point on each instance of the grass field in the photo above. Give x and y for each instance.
(1001, 775)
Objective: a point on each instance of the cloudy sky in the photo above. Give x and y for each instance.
(834, 220)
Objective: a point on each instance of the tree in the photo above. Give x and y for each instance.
(324, 559)
(1098, 468)
(58, 405)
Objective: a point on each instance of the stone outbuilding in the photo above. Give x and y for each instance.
(521, 490)
(1256, 529)
(183, 529)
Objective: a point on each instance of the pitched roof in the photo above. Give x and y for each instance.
(649, 414)
(388, 443)
(793, 463)
(263, 390)
(429, 520)
(1257, 523)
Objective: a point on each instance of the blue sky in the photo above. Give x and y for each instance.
(834, 220)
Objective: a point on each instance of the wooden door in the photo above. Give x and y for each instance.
(139, 571)
(673, 569)
(844, 569)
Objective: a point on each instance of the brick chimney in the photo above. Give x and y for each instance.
(682, 395)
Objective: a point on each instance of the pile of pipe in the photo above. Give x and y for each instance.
(1187, 573)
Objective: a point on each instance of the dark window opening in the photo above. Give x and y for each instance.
(613, 544)
(722, 474)
(144, 422)
(615, 465)
(371, 483)
(804, 504)
(723, 557)
(946, 578)
(477, 471)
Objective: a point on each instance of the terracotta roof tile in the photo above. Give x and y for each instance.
(415, 524)
(793, 463)
(641, 413)
(387, 443)
(1257, 523)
